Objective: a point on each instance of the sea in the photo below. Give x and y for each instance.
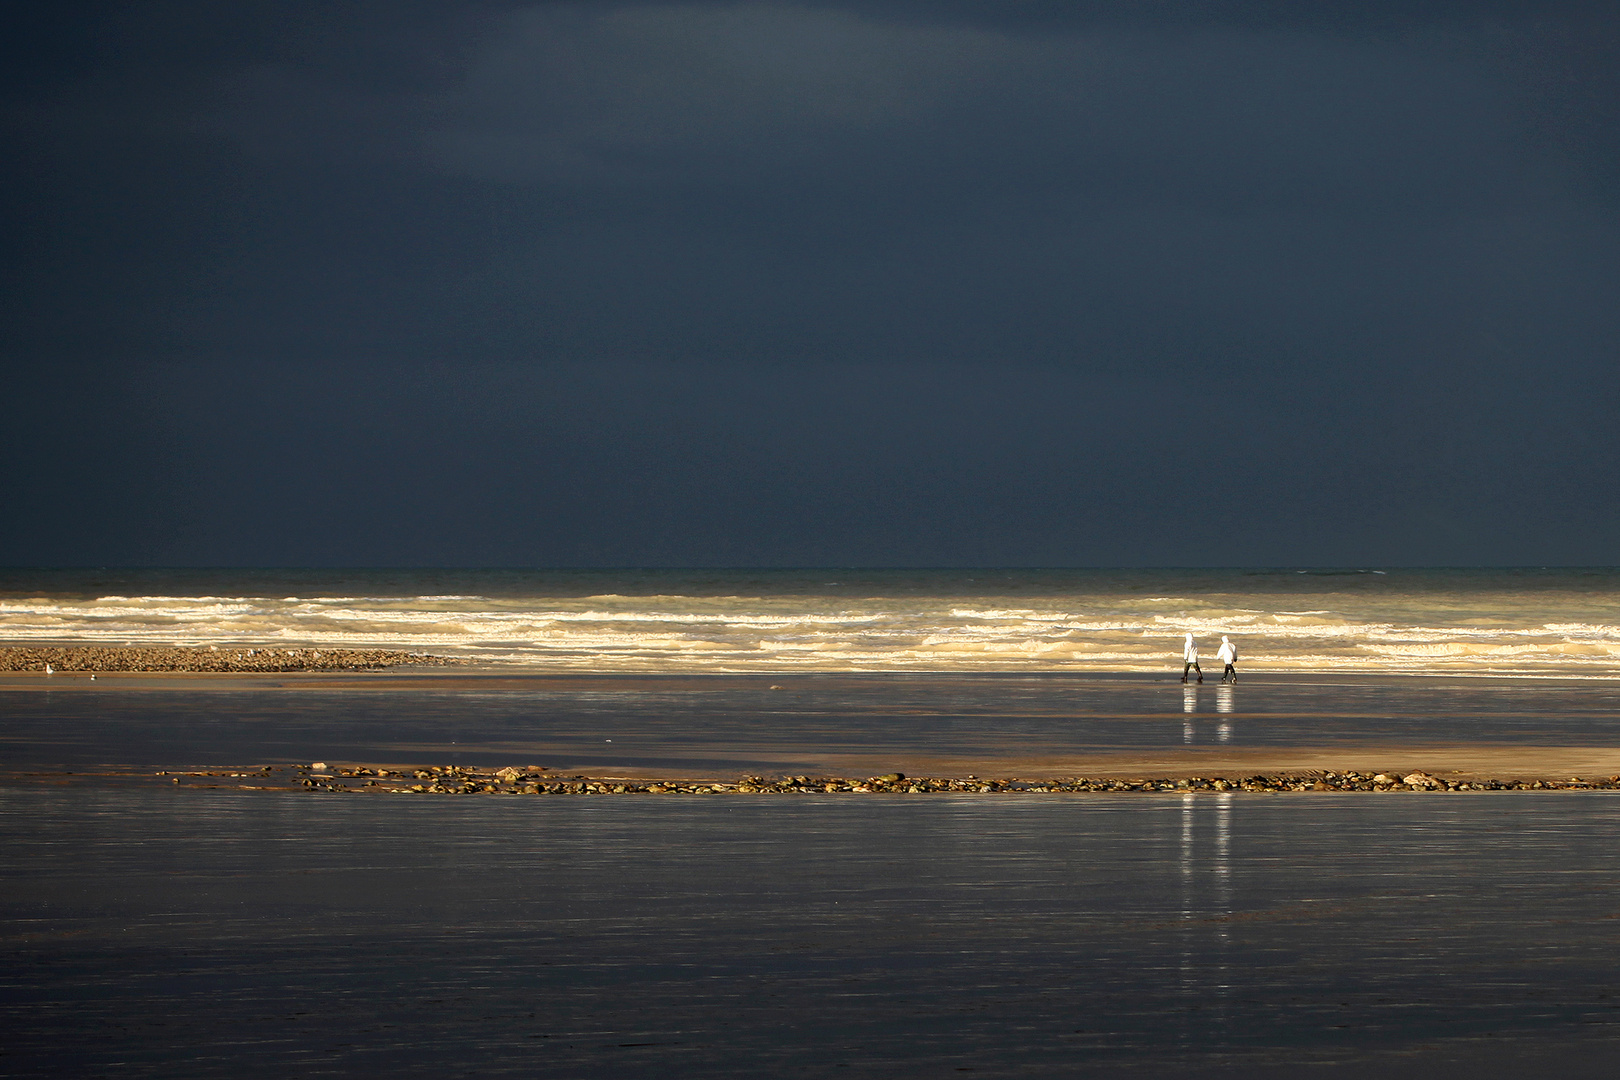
(1512, 622)
(160, 930)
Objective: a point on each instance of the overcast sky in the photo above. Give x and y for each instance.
(887, 283)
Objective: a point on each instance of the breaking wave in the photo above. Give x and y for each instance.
(1422, 628)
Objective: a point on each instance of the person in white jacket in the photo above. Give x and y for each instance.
(1189, 659)
(1228, 656)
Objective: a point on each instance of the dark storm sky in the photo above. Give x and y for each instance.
(1013, 283)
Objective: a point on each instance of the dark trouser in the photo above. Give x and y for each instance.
(1230, 670)
(1191, 665)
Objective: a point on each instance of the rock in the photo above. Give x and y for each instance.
(891, 778)
(508, 774)
(319, 766)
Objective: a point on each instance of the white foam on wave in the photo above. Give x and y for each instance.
(1583, 630)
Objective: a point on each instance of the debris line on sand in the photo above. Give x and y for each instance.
(538, 780)
(208, 658)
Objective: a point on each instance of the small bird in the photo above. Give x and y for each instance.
(49, 670)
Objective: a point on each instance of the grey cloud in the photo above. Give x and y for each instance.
(741, 282)
(1224, 113)
(650, 94)
(591, 93)
(784, 181)
(280, 112)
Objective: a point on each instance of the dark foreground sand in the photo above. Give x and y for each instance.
(208, 658)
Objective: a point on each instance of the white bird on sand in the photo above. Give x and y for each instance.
(49, 670)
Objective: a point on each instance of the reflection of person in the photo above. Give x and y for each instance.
(1189, 659)
(1228, 656)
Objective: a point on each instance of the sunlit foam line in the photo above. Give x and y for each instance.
(704, 653)
(1385, 631)
(1388, 631)
(460, 618)
(230, 599)
(323, 610)
(103, 613)
(323, 604)
(540, 618)
(544, 617)
(1036, 615)
(731, 664)
(452, 630)
(1394, 644)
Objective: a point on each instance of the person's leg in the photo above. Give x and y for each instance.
(1186, 666)
(1199, 670)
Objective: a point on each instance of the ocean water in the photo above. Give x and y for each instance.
(1554, 622)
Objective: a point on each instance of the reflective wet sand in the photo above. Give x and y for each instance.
(222, 934)
(721, 727)
(178, 932)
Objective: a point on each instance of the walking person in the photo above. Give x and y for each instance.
(1189, 659)
(1228, 656)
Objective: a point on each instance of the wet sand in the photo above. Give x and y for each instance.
(1104, 906)
(216, 934)
(682, 730)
